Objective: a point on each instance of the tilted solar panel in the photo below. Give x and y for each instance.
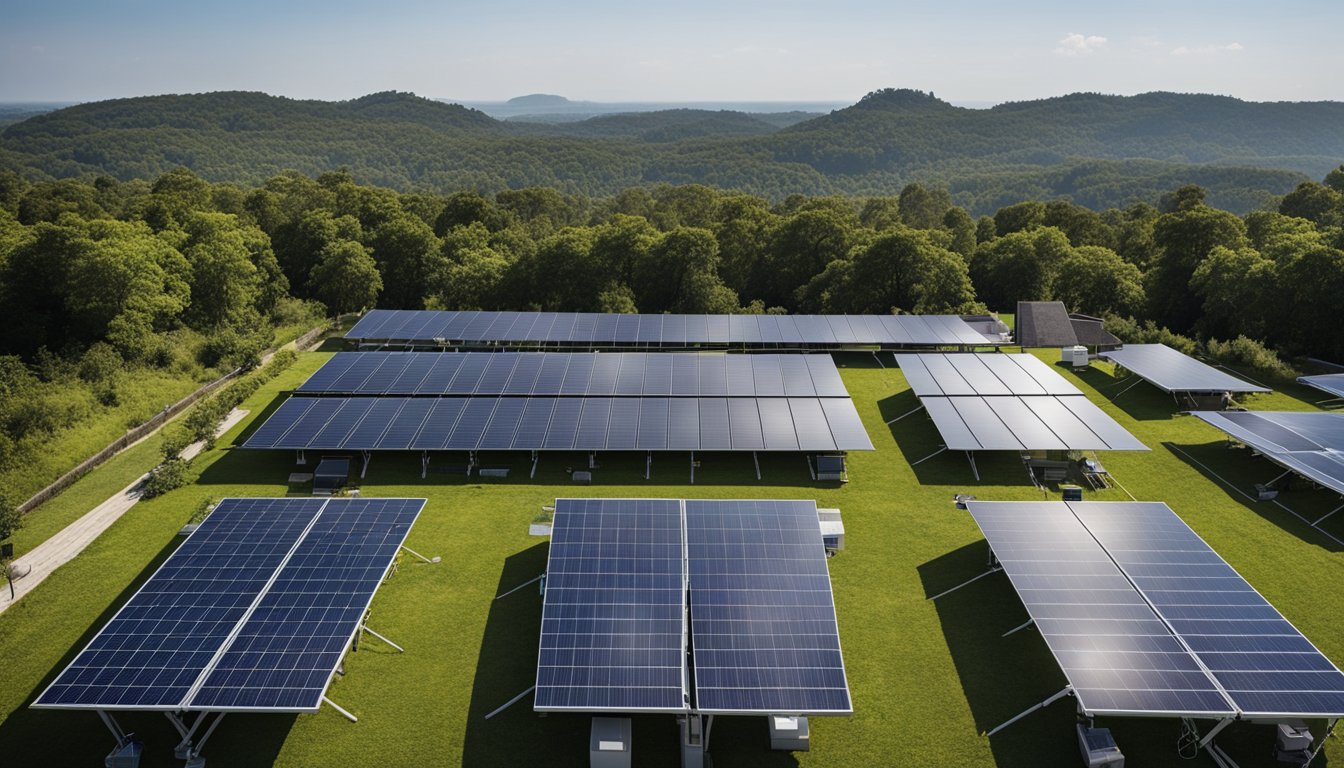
(613, 616)
(251, 612)
(763, 625)
(1174, 371)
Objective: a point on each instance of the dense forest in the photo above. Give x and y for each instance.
(1095, 150)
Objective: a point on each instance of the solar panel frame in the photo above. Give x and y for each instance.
(764, 633)
(1173, 371)
(1330, 383)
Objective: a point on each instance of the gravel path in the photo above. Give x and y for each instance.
(61, 548)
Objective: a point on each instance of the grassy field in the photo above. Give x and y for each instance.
(928, 677)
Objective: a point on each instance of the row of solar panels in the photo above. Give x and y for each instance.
(1173, 371)
(679, 374)
(1145, 619)
(1040, 423)
(563, 424)
(252, 613)
(933, 374)
(1307, 442)
(589, 329)
(762, 627)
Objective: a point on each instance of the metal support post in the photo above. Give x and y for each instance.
(930, 456)
(434, 559)
(648, 465)
(757, 461)
(995, 569)
(1019, 627)
(344, 712)
(692, 467)
(365, 627)
(536, 457)
(424, 464)
(970, 456)
(364, 470)
(1042, 705)
(917, 409)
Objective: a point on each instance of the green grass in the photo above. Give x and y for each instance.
(928, 678)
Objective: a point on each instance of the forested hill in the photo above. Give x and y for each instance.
(1095, 150)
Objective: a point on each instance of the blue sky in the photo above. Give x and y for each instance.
(826, 50)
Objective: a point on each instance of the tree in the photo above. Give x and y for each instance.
(11, 519)
(402, 246)
(346, 278)
(1317, 203)
(1020, 266)
(560, 274)
(1236, 290)
(621, 244)
(469, 271)
(679, 274)
(225, 283)
(800, 249)
(904, 270)
(1186, 198)
(1096, 281)
(1019, 218)
(1183, 239)
(923, 208)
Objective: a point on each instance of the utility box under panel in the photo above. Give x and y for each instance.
(1098, 748)
(1076, 357)
(609, 743)
(832, 529)
(1293, 744)
(788, 734)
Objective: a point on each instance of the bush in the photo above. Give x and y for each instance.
(1131, 331)
(1250, 354)
(100, 363)
(202, 511)
(167, 476)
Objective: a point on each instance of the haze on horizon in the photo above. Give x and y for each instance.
(698, 50)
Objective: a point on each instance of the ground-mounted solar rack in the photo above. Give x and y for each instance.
(1007, 402)
(1146, 620)
(1179, 375)
(212, 631)
(694, 608)
(383, 328)
(1309, 444)
(1330, 383)
(588, 402)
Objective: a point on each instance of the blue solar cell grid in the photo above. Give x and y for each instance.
(763, 624)
(612, 621)
(296, 574)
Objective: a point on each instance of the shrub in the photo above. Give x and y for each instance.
(1131, 331)
(167, 476)
(1250, 354)
(99, 363)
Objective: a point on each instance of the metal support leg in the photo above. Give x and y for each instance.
(1126, 389)
(536, 457)
(648, 465)
(118, 732)
(1019, 627)
(1066, 692)
(424, 464)
(364, 470)
(299, 459)
(917, 409)
(970, 456)
(1277, 479)
(757, 461)
(592, 460)
(810, 470)
(930, 456)
(380, 637)
(1322, 518)
(434, 559)
(344, 712)
(471, 461)
(995, 569)
(510, 702)
(692, 467)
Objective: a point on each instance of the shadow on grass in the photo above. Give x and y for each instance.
(241, 740)
(1237, 471)
(1131, 394)
(240, 466)
(919, 441)
(1001, 676)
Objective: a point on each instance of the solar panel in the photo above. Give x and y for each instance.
(763, 625)
(1118, 655)
(563, 423)
(284, 654)
(613, 616)
(1309, 443)
(424, 326)
(248, 609)
(1333, 383)
(988, 374)
(1173, 371)
(1260, 659)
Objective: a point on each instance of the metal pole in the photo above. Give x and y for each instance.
(1033, 708)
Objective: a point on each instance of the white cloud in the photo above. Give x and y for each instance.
(1207, 50)
(1075, 44)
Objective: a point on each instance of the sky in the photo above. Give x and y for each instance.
(690, 50)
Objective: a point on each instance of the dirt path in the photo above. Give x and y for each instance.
(61, 548)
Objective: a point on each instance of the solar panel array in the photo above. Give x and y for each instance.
(1111, 645)
(564, 424)
(1145, 618)
(998, 402)
(1333, 383)
(1173, 371)
(762, 628)
(1310, 443)
(592, 330)
(667, 374)
(252, 613)
(763, 623)
(933, 375)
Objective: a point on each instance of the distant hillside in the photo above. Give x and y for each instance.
(1094, 149)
